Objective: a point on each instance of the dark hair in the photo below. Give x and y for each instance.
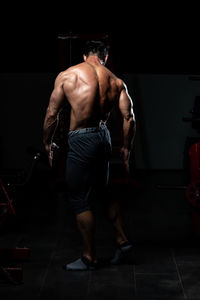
(96, 48)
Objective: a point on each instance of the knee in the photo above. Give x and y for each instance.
(84, 219)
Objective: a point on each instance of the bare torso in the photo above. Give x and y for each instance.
(92, 91)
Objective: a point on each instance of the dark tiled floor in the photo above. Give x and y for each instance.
(159, 222)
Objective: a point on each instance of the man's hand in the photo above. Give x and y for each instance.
(125, 153)
(48, 151)
(47, 148)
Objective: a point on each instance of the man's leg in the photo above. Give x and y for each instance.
(86, 226)
(79, 189)
(115, 217)
(124, 247)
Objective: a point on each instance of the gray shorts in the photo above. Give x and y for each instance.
(87, 169)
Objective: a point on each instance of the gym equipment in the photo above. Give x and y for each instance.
(193, 189)
(193, 152)
(9, 271)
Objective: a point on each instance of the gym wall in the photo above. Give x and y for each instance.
(161, 101)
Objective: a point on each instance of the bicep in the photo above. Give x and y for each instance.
(126, 105)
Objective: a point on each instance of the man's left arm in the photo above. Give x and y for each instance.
(56, 102)
(129, 125)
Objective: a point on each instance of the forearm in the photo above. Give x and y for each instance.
(129, 130)
(49, 127)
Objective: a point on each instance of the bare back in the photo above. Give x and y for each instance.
(92, 91)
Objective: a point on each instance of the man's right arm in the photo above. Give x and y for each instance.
(57, 100)
(129, 125)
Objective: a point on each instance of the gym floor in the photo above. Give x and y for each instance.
(158, 221)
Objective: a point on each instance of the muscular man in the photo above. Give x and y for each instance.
(92, 91)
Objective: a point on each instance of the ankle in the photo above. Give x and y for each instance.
(90, 258)
(121, 241)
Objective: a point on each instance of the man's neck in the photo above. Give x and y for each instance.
(94, 59)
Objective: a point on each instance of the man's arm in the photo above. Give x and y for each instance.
(56, 101)
(129, 125)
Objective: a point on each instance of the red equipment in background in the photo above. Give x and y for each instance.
(194, 156)
(193, 189)
(13, 273)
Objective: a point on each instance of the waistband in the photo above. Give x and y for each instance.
(102, 126)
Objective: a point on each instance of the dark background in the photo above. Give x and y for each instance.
(155, 50)
(158, 43)
(144, 38)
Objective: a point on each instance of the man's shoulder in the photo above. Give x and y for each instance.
(113, 76)
(68, 74)
(120, 83)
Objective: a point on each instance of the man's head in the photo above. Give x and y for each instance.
(96, 48)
